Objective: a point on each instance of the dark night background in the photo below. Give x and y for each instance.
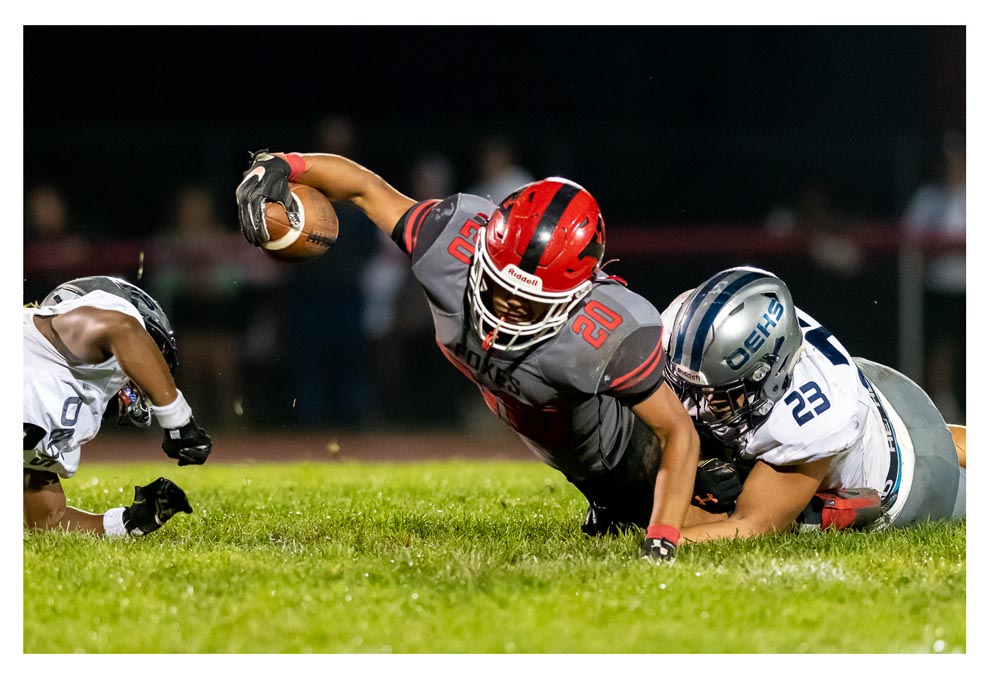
(671, 123)
(669, 127)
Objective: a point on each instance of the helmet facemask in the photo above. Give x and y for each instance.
(728, 410)
(129, 408)
(543, 244)
(498, 332)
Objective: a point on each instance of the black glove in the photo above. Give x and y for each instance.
(659, 550)
(717, 485)
(601, 521)
(267, 180)
(660, 543)
(188, 444)
(153, 505)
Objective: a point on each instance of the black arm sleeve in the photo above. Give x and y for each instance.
(415, 230)
(635, 370)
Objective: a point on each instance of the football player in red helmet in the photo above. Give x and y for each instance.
(540, 251)
(565, 355)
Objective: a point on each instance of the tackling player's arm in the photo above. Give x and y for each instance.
(339, 178)
(771, 500)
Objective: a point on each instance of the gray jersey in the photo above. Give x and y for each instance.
(569, 398)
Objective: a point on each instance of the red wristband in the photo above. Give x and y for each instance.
(297, 164)
(662, 530)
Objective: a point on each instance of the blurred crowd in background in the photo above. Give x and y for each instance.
(346, 341)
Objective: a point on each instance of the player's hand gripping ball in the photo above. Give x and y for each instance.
(307, 231)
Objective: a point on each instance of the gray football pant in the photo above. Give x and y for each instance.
(939, 487)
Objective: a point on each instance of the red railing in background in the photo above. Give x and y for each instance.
(632, 240)
(625, 240)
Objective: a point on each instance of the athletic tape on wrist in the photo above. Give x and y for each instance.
(113, 522)
(297, 164)
(175, 414)
(662, 530)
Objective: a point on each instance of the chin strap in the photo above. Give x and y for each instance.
(490, 338)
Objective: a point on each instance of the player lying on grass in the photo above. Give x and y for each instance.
(100, 347)
(565, 355)
(827, 439)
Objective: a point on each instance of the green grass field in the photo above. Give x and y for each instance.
(463, 557)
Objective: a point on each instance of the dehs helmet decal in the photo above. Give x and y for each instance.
(736, 341)
(756, 339)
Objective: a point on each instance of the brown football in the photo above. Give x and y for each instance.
(312, 237)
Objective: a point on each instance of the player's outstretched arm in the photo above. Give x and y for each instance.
(663, 412)
(339, 178)
(45, 508)
(343, 180)
(771, 500)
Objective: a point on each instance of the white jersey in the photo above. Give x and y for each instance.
(828, 412)
(66, 401)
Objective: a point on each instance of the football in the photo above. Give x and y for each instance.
(313, 236)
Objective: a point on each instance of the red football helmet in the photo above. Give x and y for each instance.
(544, 243)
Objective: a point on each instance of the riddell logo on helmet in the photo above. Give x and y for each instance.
(517, 274)
(686, 374)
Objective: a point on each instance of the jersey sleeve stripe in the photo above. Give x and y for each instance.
(636, 375)
(415, 222)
